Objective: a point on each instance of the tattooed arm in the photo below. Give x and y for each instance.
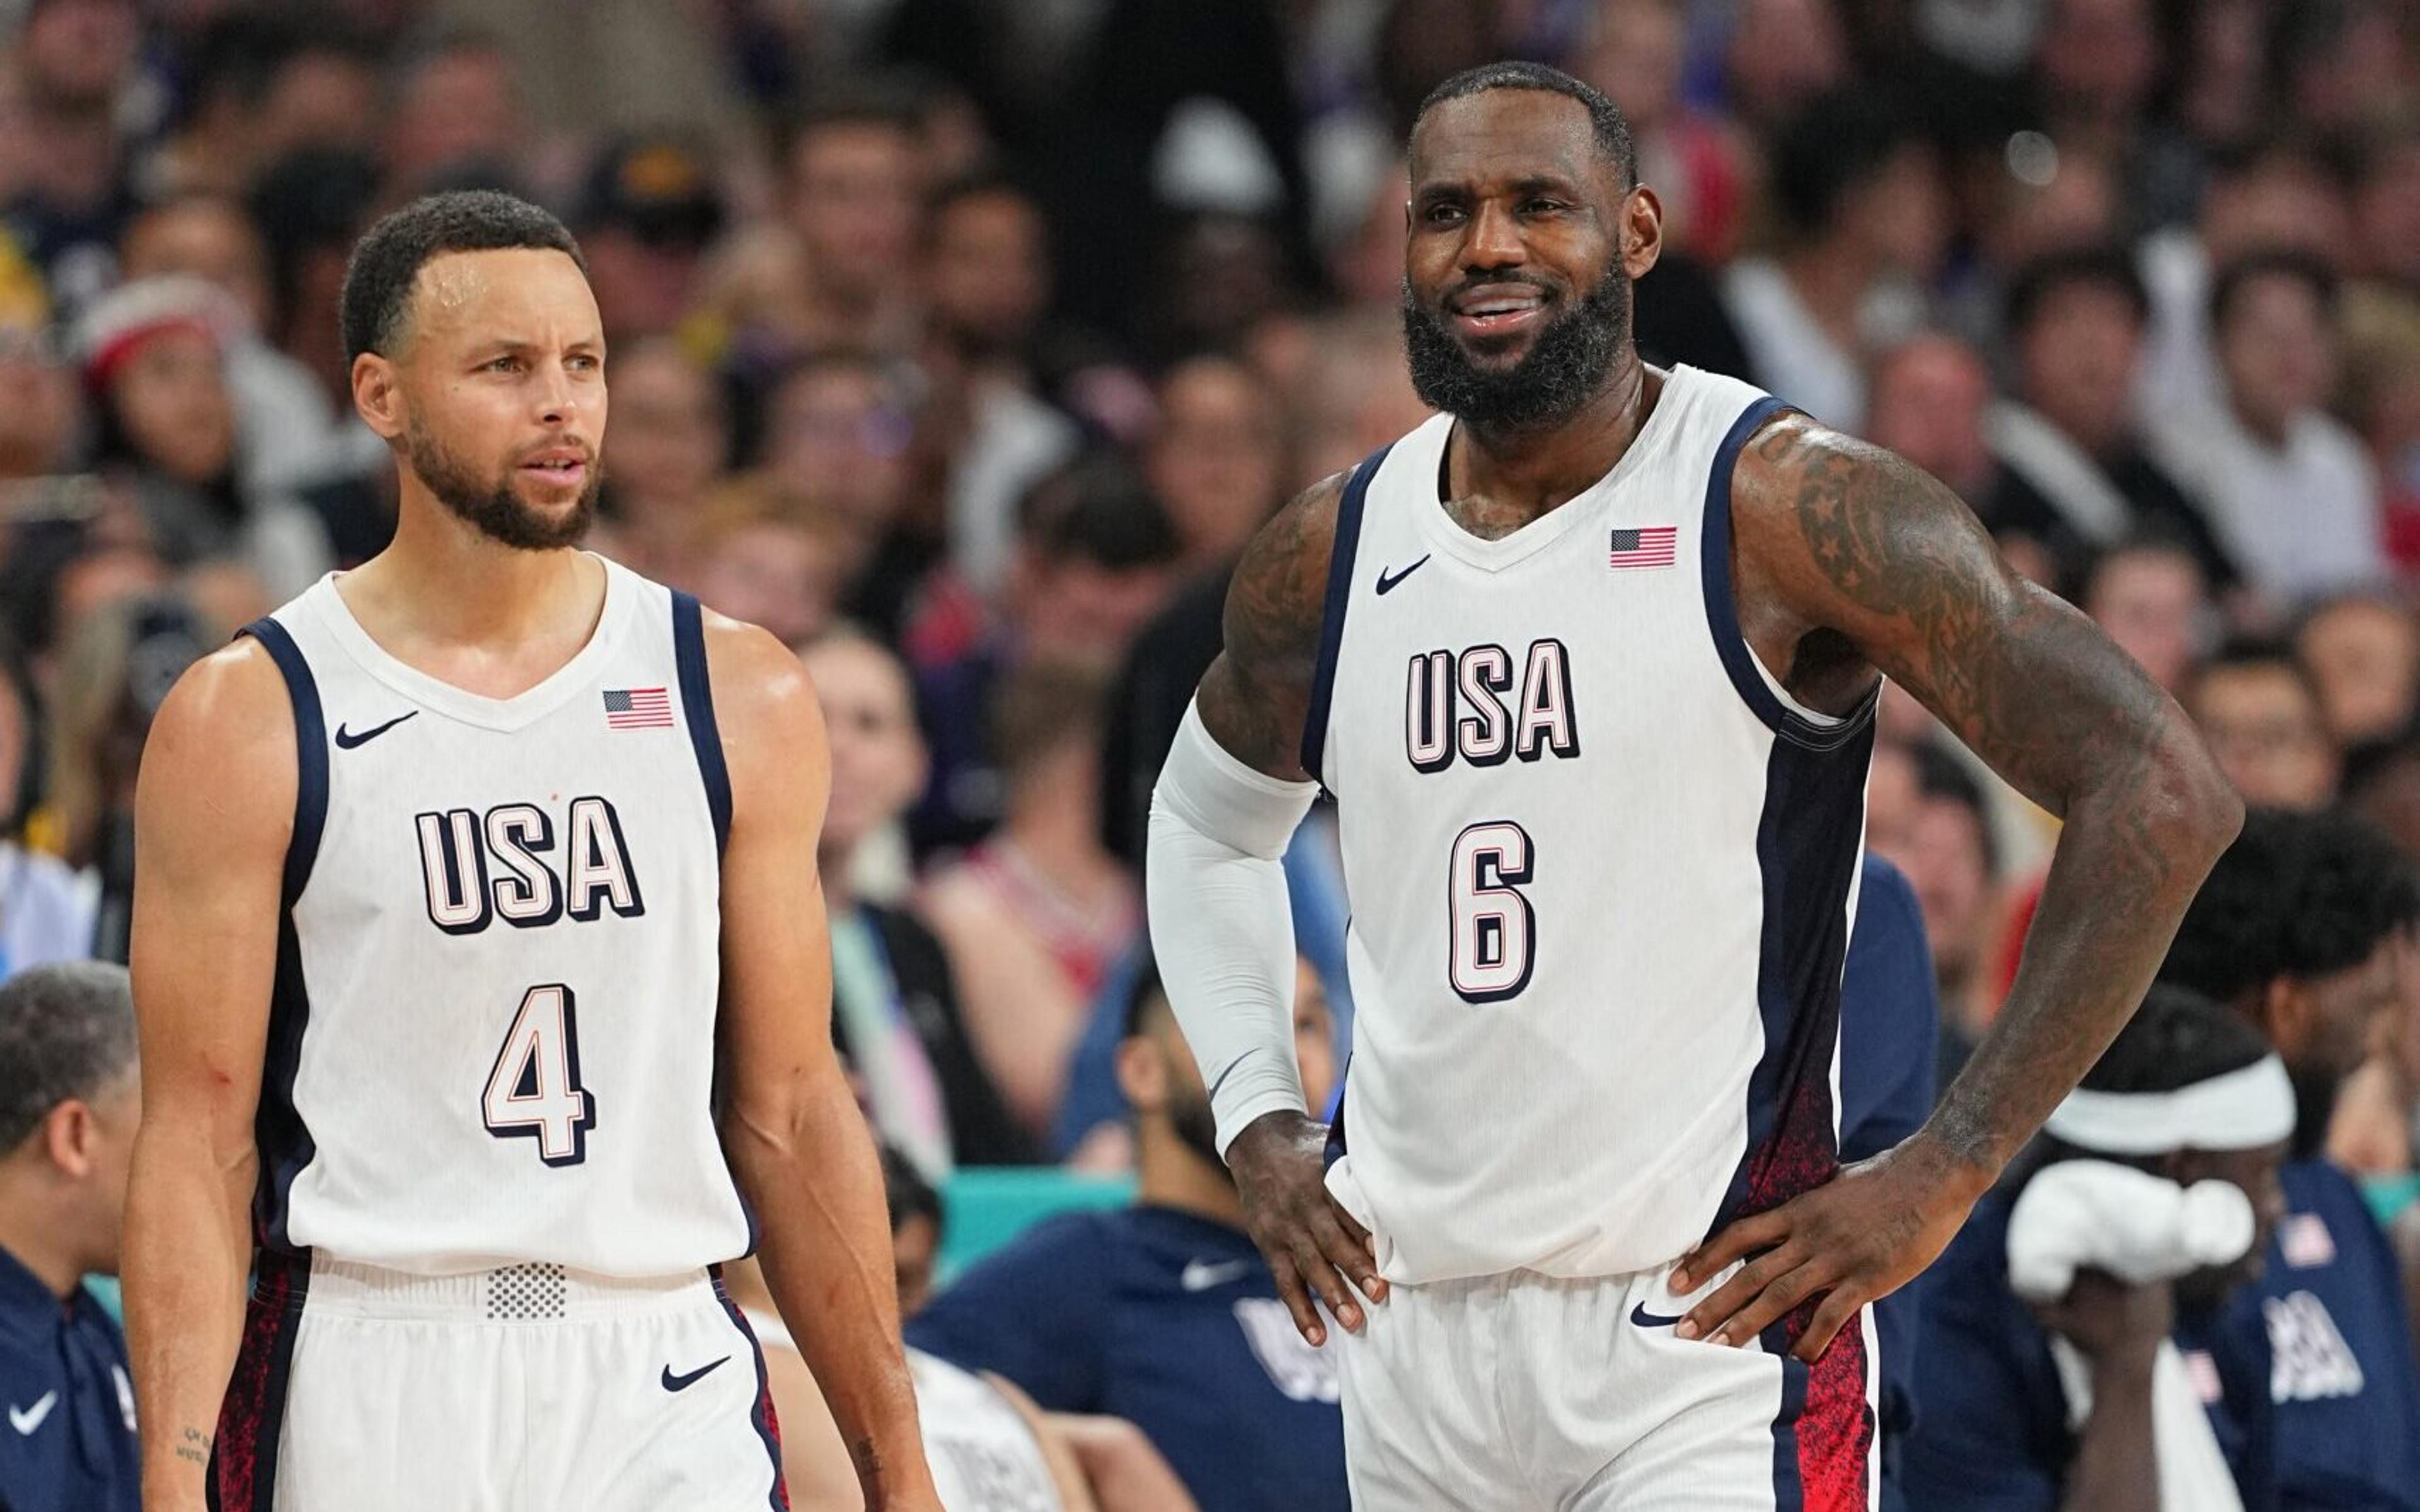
(1850, 558)
(1256, 695)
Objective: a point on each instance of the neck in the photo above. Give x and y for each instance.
(447, 583)
(2270, 431)
(1055, 832)
(35, 1233)
(1170, 1173)
(1540, 468)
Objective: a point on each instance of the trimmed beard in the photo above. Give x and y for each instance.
(1190, 1115)
(1565, 366)
(490, 506)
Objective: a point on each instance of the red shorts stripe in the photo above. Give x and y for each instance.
(243, 1458)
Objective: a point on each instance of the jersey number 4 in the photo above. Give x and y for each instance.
(1493, 930)
(535, 1091)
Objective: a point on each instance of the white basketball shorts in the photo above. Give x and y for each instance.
(529, 1389)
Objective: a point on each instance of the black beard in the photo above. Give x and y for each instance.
(1194, 1123)
(1564, 368)
(490, 506)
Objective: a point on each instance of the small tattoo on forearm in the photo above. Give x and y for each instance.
(868, 1460)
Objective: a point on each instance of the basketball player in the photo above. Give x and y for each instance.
(479, 949)
(1590, 662)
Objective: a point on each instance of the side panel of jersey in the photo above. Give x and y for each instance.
(494, 1042)
(1600, 868)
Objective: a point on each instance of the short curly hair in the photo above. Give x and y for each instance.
(2298, 895)
(388, 259)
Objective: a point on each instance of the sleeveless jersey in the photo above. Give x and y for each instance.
(491, 1039)
(1601, 866)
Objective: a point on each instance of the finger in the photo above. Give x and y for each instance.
(1347, 1247)
(1297, 1300)
(1714, 1311)
(1772, 1304)
(1834, 1313)
(1745, 1237)
(1329, 1282)
(1346, 1219)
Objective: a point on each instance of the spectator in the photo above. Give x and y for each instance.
(754, 562)
(663, 452)
(65, 173)
(2300, 929)
(2261, 714)
(1216, 458)
(646, 215)
(856, 186)
(1164, 1313)
(2362, 651)
(895, 1003)
(165, 427)
(1781, 55)
(838, 428)
(1864, 223)
(2083, 1394)
(1035, 915)
(69, 1101)
(37, 402)
(2290, 489)
(1930, 396)
(452, 104)
(113, 670)
(2149, 593)
(1946, 847)
(1353, 396)
(2074, 473)
(988, 1444)
(48, 910)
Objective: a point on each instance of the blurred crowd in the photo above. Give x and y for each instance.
(964, 343)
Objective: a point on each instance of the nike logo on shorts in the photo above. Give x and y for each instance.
(1644, 1319)
(674, 1383)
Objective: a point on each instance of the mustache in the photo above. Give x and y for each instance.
(1499, 281)
(561, 443)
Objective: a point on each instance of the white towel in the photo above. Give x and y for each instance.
(2094, 1215)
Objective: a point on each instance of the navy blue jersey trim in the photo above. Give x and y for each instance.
(1332, 622)
(698, 703)
(760, 1416)
(1722, 612)
(310, 752)
(280, 1135)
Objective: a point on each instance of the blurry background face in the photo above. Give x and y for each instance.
(1927, 403)
(667, 441)
(1902, 212)
(878, 755)
(209, 238)
(836, 444)
(1945, 863)
(2263, 725)
(2365, 658)
(1216, 458)
(172, 398)
(75, 52)
(989, 276)
(2277, 351)
(772, 573)
(2152, 603)
(37, 404)
(2078, 358)
(855, 188)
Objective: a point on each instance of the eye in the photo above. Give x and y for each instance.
(1540, 206)
(504, 364)
(1441, 214)
(583, 363)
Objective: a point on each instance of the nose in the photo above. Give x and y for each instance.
(557, 395)
(1495, 238)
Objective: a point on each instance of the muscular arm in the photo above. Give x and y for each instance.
(1256, 696)
(792, 1131)
(212, 815)
(1847, 557)
(1857, 542)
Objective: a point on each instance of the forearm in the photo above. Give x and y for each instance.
(2133, 854)
(1223, 927)
(187, 1252)
(826, 1250)
(2116, 1464)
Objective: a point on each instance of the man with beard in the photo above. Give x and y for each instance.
(479, 952)
(1590, 662)
(2304, 926)
(1163, 1313)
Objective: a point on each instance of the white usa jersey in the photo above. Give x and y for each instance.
(491, 1040)
(1601, 866)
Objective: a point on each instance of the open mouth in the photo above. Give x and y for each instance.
(1500, 312)
(563, 468)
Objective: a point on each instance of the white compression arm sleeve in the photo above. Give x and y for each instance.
(1220, 924)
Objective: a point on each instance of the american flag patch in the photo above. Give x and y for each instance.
(2203, 1372)
(1651, 548)
(2305, 1241)
(637, 708)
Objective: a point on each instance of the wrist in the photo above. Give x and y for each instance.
(2126, 1362)
(1961, 1174)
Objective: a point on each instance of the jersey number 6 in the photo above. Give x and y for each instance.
(1492, 927)
(535, 1091)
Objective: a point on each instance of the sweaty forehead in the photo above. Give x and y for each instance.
(1505, 136)
(479, 295)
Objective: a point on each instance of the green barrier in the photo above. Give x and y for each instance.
(984, 1207)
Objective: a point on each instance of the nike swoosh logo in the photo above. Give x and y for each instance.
(1644, 1319)
(1387, 580)
(347, 740)
(27, 1419)
(674, 1383)
(1200, 1276)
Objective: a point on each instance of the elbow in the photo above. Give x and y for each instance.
(2193, 806)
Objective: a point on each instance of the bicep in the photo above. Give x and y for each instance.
(1256, 695)
(1862, 542)
(208, 891)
